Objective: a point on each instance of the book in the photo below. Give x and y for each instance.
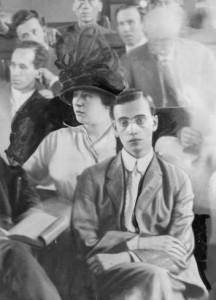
(38, 229)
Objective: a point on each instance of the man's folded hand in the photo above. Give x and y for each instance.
(103, 261)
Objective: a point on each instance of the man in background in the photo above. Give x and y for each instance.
(129, 18)
(87, 13)
(27, 26)
(32, 115)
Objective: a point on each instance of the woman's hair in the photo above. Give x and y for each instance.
(106, 100)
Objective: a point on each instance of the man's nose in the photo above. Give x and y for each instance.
(126, 27)
(15, 70)
(132, 128)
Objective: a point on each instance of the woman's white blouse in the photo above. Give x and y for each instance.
(64, 154)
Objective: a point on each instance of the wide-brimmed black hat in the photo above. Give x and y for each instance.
(88, 63)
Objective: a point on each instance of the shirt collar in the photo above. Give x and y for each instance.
(18, 99)
(17, 94)
(140, 43)
(142, 163)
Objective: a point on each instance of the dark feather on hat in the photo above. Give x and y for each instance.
(88, 62)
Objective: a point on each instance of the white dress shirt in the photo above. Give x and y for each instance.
(140, 43)
(142, 164)
(17, 99)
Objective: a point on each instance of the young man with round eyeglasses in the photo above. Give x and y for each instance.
(132, 215)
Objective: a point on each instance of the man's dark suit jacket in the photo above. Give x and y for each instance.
(36, 118)
(16, 194)
(164, 207)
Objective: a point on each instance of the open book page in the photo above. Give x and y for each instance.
(54, 230)
(33, 225)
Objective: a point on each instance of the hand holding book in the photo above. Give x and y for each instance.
(37, 229)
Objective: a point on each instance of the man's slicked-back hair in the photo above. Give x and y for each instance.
(130, 95)
(131, 4)
(23, 16)
(41, 54)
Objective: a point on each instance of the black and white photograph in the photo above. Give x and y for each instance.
(107, 150)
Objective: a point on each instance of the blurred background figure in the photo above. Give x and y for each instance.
(201, 28)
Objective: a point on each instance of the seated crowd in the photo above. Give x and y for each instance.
(79, 127)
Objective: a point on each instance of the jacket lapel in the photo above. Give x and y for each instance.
(151, 76)
(151, 183)
(115, 184)
(34, 96)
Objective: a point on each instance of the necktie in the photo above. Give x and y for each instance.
(171, 88)
(133, 181)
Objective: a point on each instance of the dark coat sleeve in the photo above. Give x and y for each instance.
(59, 114)
(26, 193)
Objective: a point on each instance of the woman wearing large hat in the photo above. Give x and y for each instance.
(91, 77)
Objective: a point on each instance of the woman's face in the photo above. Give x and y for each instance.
(89, 108)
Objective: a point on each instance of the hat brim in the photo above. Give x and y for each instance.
(67, 95)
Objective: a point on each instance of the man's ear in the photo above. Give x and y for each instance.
(155, 123)
(115, 129)
(73, 6)
(100, 5)
(39, 74)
